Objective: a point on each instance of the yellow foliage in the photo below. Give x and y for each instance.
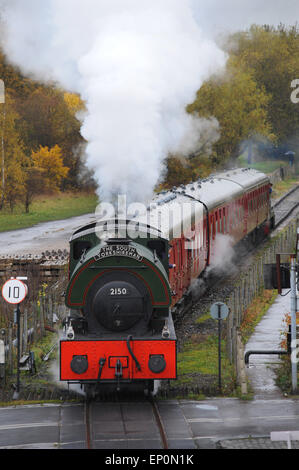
(50, 161)
(74, 102)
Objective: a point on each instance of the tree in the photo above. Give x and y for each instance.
(34, 185)
(239, 105)
(15, 160)
(49, 119)
(46, 173)
(74, 103)
(271, 56)
(15, 187)
(50, 162)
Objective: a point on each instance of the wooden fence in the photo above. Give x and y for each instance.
(282, 173)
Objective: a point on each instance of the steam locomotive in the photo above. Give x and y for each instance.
(125, 284)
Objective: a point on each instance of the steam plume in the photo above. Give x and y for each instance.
(136, 63)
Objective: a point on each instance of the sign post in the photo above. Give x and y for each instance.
(219, 311)
(14, 292)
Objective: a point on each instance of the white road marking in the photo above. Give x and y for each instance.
(7, 427)
(223, 420)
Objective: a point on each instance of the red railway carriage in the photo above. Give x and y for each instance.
(123, 291)
(236, 206)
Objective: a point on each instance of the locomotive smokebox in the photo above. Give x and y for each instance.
(117, 302)
(118, 306)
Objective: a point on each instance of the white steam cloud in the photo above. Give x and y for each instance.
(136, 63)
(223, 254)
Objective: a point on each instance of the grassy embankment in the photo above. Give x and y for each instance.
(47, 208)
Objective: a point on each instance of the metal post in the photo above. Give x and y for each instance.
(17, 391)
(278, 274)
(219, 346)
(293, 323)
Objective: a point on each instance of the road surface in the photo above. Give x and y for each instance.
(45, 236)
(188, 424)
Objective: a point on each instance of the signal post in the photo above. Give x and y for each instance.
(15, 292)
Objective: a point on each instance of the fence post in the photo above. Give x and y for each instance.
(10, 350)
(25, 330)
(241, 374)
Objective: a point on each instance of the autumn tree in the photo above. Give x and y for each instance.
(271, 56)
(50, 161)
(45, 173)
(15, 183)
(18, 86)
(13, 156)
(239, 105)
(49, 119)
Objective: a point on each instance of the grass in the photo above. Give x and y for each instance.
(284, 370)
(267, 166)
(284, 376)
(203, 318)
(255, 313)
(282, 187)
(200, 357)
(40, 349)
(47, 208)
(36, 382)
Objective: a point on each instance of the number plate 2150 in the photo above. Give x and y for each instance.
(119, 291)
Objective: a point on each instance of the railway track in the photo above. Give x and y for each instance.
(121, 424)
(286, 206)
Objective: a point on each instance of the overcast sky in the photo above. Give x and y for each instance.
(219, 16)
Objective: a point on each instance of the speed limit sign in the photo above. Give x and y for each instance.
(14, 291)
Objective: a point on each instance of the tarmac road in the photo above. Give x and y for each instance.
(208, 424)
(45, 236)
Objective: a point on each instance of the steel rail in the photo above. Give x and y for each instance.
(287, 211)
(88, 425)
(159, 422)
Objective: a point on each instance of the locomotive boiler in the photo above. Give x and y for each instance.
(125, 284)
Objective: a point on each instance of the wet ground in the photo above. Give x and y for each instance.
(45, 236)
(210, 424)
(266, 337)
